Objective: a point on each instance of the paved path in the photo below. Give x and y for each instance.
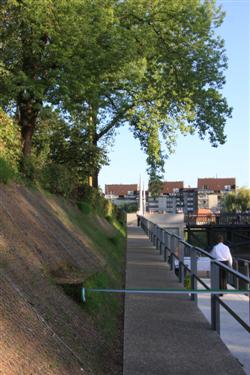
(236, 338)
(166, 334)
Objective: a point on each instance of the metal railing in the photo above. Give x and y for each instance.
(221, 219)
(175, 248)
(243, 266)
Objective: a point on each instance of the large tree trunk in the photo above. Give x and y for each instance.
(27, 133)
(27, 116)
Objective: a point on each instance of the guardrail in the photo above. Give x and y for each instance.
(175, 248)
(242, 266)
(221, 219)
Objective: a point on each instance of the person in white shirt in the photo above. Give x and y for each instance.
(222, 253)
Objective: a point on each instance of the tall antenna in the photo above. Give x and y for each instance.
(144, 199)
(140, 199)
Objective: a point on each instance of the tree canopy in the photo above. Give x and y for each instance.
(156, 66)
(237, 201)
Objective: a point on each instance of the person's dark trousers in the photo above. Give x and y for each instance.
(223, 276)
(138, 220)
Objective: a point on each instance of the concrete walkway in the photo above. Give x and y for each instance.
(166, 334)
(236, 338)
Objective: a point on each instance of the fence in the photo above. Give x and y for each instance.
(219, 219)
(174, 248)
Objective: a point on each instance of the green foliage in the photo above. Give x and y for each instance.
(105, 309)
(229, 202)
(158, 66)
(243, 199)
(155, 185)
(168, 78)
(10, 142)
(129, 207)
(66, 143)
(10, 145)
(92, 200)
(187, 282)
(92, 196)
(29, 167)
(7, 173)
(236, 202)
(84, 207)
(57, 179)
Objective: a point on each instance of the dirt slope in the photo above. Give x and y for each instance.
(42, 331)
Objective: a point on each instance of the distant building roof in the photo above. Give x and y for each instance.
(170, 186)
(204, 211)
(216, 184)
(120, 189)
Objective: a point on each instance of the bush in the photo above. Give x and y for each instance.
(28, 167)
(7, 172)
(84, 207)
(57, 179)
(10, 140)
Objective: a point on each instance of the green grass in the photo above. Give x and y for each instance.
(105, 308)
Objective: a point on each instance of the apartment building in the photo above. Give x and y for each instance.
(174, 197)
(170, 199)
(122, 193)
(212, 190)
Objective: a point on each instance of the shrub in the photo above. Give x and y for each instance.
(7, 172)
(10, 140)
(28, 167)
(84, 207)
(57, 179)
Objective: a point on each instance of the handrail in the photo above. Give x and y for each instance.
(161, 238)
(242, 260)
(219, 219)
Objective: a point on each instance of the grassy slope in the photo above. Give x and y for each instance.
(103, 241)
(109, 239)
(107, 309)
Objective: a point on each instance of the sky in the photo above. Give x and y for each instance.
(195, 158)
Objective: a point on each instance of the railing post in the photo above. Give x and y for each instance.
(215, 305)
(246, 272)
(154, 238)
(237, 279)
(157, 237)
(165, 245)
(194, 267)
(181, 260)
(243, 267)
(161, 240)
(172, 258)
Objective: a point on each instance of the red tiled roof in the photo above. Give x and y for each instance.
(120, 189)
(169, 186)
(204, 211)
(216, 184)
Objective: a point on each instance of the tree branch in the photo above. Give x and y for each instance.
(115, 121)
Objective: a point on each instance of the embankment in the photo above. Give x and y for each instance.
(45, 244)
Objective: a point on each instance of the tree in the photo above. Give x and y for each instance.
(156, 65)
(9, 140)
(229, 202)
(167, 79)
(243, 199)
(62, 143)
(239, 201)
(39, 39)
